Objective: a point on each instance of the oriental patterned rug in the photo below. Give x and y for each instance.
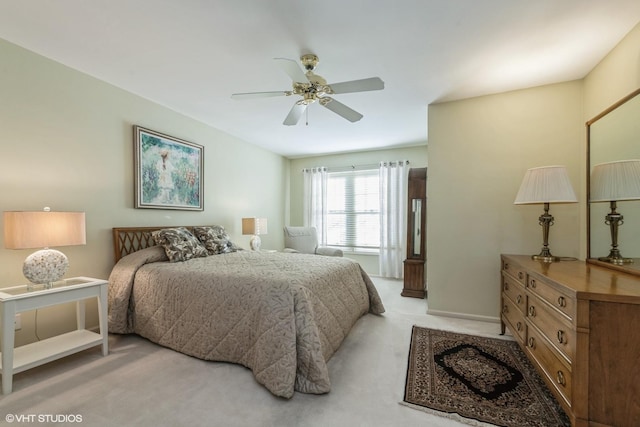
(477, 380)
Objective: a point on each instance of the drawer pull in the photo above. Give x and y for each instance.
(532, 342)
(506, 265)
(506, 285)
(519, 326)
(505, 309)
(562, 302)
(532, 283)
(562, 337)
(560, 379)
(532, 311)
(519, 299)
(520, 275)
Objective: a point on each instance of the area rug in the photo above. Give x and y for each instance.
(477, 380)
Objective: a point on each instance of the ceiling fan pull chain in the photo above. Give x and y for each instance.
(307, 117)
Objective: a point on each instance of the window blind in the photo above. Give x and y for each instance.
(353, 209)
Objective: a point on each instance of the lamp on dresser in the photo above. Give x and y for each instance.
(546, 184)
(44, 229)
(612, 182)
(255, 227)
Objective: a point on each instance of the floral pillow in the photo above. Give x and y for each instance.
(179, 244)
(215, 239)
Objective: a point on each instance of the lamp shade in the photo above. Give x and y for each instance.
(255, 226)
(614, 181)
(40, 229)
(546, 184)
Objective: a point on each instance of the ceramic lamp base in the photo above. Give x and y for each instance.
(45, 266)
(255, 243)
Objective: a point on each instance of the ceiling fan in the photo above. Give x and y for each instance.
(313, 87)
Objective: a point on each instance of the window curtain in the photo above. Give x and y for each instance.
(315, 201)
(393, 218)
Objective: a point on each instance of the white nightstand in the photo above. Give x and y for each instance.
(18, 299)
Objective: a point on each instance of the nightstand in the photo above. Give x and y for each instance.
(21, 298)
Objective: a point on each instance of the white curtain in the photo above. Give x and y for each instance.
(315, 201)
(393, 217)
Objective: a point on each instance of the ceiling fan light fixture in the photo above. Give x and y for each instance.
(309, 61)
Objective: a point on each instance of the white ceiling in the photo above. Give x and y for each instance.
(191, 55)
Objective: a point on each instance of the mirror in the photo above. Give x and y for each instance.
(614, 135)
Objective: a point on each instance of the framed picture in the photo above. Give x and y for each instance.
(168, 172)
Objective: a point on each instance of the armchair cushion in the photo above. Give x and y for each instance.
(324, 250)
(305, 240)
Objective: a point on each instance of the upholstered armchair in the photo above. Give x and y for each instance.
(305, 240)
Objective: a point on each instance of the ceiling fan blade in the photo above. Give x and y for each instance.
(292, 68)
(294, 114)
(373, 83)
(340, 109)
(251, 95)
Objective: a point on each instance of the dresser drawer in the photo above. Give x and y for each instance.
(558, 373)
(553, 325)
(515, 271)
(515, 291)
(563, 302)
(514, 318)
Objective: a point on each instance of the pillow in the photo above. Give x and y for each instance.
(215, 239)
(179, 244)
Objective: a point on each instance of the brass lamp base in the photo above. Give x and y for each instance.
(545, 256)
(614, 220)
(545, 220)
(617, 260)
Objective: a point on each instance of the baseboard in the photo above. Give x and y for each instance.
(489, 319)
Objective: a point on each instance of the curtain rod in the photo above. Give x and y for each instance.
(356, 167)
(364, 167)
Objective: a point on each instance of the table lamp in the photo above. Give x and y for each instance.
(612, 182)
(44, 229)
(546, 184)
(256, 227)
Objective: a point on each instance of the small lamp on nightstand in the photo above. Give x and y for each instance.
(546, 184)
(44, 229)
(256, 227)
(612, 182)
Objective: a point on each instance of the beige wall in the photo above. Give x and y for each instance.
(417, 157)
(479, 150)
(617, 75)
(67, 143)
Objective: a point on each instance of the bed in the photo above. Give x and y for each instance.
(281, 315)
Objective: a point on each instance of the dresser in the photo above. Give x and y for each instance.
(579, 324)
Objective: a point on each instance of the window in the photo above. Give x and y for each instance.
(353, 209)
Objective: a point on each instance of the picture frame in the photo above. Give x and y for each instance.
(169, 172)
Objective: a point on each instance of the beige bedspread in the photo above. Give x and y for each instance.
(281, 315)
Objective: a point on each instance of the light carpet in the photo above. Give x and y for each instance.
(142, 384)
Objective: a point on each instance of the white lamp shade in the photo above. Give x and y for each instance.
(40, 229)
(613, 181)
(255, 226)
(546, 184)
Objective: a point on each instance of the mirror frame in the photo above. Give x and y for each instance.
(624, 268)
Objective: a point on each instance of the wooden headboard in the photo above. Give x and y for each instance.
(127, 240)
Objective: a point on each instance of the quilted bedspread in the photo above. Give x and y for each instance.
(281, 315)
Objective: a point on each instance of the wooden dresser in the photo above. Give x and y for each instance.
(579, 324)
